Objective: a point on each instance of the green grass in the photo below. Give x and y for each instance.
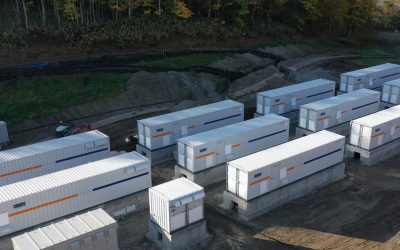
(27, 98)
(374, 56)
(184, 61)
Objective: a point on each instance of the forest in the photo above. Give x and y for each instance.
(87, 23)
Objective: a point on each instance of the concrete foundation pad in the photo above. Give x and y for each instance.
(184, 238)
(341, 129)
(371, 157)
(248, 210)
(386, 105)
(205, 177)
(157, 156)
(127, 205)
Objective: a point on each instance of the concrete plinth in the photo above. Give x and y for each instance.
(157, 156)
(371, 157)
(205, 177)
(341, 129)
(127, 205)
(386, 105)
(184, 238)
(248, 210)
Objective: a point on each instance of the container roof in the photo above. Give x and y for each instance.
(192, 112)
(395, 82)
(71, 175)
(380, 117)
(177, 189)
(295, 88)
(231, 130)
(283, 151)
(340, 99)
(51, 145)
(53, 234)
(371, 70)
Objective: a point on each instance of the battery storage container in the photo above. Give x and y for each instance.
(31, 202)
(369, 78)
(376, 129)
(4, 138)
(262, 172)
(164, 130)
(391, 92)
(336, 110)
(211, 148)
(92, 230)
(176, 204)
(42, 158)
(290, 98)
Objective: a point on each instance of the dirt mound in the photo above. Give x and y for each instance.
(245, 63)
(146, 87)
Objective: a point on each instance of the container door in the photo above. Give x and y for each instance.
(394, 95)
(4, 223)
(267, 106)
(386, 93)
(326, 123)
(392, 132)
(166, 140)
(312, 124)
(181, 154)
(242, 184)
(210, 160)
(281, 108)
(178, 221)
(260, 104)
(303, 118)
(141, 133)
(147, 136)
(232, 180)
(355, 134)
(195, 214)
(264, 187)
(343, 81)
(275, 177)
(189, 152)
(366, 137)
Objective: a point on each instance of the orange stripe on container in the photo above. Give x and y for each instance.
(163, 134)
(378, 134)
(192, 127)
(290, 168)
(344, 111)
(236, 145)
(260, 180)
(323, 118)
(43, 205)
(397, 126)
(20, 171)
(205, 155)
(278, 104)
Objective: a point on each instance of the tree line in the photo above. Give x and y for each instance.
(126, 21)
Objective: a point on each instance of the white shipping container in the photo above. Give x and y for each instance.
(164, 130)
(377, 129)
(256, 174)
(208, 149)
(290, 98)
(391, 92)
(41, 199)
(176, 204)
(369, 78)
(93, 230)
(3, 133)
(38, 159)
(336, 110)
